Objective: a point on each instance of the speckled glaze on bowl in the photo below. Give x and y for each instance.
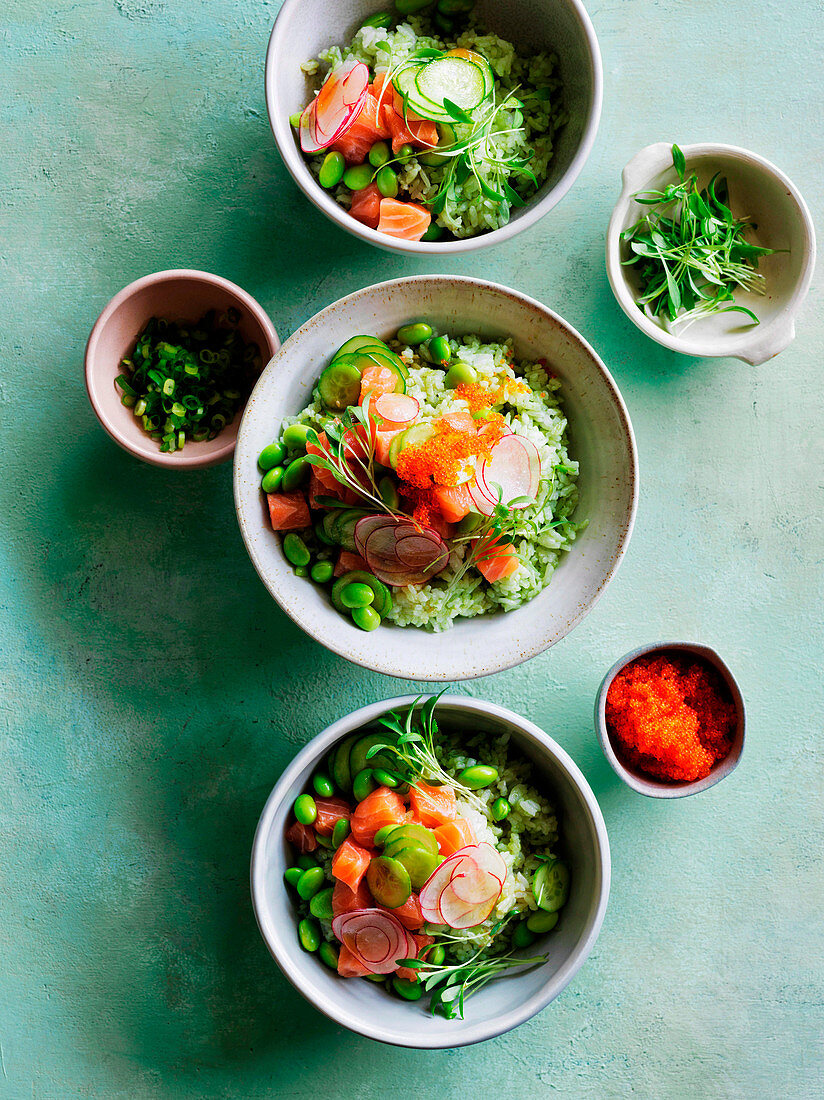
(639, 780)
(600, 437)
(178, 295)
(304, 28)
(757, 189)
(501, 1005)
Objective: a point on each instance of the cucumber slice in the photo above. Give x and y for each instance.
(343, 528)
(389, 882)
(383, 760)
(418, 862)
(355, 343)
(383, 600)
(339, 385)
(412, 833)
(339, 763)
(550, 885)
(395, 448)
(387, 358)
(454, 78)
(418, 433)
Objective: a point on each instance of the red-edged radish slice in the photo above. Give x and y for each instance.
(419, 551)
(340, 100)
(487, 857)
(364, 528)
(483, 503)
(471, 883)
(458, 915)
(375, 937)
(513, 466)
(308, 139)
(396, 410)
(432, 888)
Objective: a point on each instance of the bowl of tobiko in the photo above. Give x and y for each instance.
(367, 1008)
(600, 439)
(305, 28)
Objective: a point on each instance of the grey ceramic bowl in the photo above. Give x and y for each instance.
(503, 1004)
(640, 781)
(306, 27)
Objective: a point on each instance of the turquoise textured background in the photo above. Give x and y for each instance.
(152, 692)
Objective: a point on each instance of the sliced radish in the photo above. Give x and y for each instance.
(427, 556)
(458, 915)
(489, 858)
(470, 882)
(464, 889)
(417, 551)
(364, 528)
(375, 937)
(483, 503)
(340, 100)
(513, 466)
(396, 410)
(308, 132)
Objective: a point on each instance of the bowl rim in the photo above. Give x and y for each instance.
(312, 752)
(648, 785)
(155, 457)
(452, 671)
(763, 342)
(532, 213)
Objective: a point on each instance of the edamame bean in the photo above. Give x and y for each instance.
(438, 351)
(405, 154)
(478, 776)
(384, 779)
(541, 922)
(379, 154)
(366, 618)
(409, 7)
(435, 955)
(433, 233)
(332, 169)
(387, 181)
(295, 436)
(410, 991)
(320, 905)
(271, 456)
(328, 955)
(295, 474)
(379, 19)
(500, 809)
(292, 874)
(310, 882)
(522, 936)
(272, 479)
(295, 549)
(455, 7)
(301, 570)
(356, 595)
(305, 862)
(414, 333)
(389, 493)
(305, 809)
(340, 831)
(382, 834)
(358, 177)
(322, 572)
(309, 934)
(459, 374)
(323, 785)
(363, 784)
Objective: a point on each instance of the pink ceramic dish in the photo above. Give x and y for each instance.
(176, 295)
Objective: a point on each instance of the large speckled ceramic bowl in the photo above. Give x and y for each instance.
(600, 438)
(304, 28)
(503, 1004)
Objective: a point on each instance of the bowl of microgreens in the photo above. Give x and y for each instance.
(512, 423)
(710, 251)
(170, 364)
(476, 972)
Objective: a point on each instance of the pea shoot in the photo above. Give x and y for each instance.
(187, 381)
(689, 250)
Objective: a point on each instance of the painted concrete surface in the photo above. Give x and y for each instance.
(152, 693)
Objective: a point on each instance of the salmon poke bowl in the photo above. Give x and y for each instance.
(433, 469)
(431, 871)
(434, 126)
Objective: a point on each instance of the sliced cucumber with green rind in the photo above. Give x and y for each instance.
(383, 600)
(357, 757)
(386, 358)
(389, 882)
(343, 527)
(339, 385)
(419, 862)
(355, 343)
(455, 78)
(412, 833)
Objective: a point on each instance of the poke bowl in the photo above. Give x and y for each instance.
(506, 119)
(552, 521)
(520, 817)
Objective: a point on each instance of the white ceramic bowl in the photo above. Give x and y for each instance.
(758, 189)
(178, 295)
(504, 1003)
(306, 27)
(600, 436)
(639, 780)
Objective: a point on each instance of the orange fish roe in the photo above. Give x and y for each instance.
(442, 459)
(672, 716)
(478, 398)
